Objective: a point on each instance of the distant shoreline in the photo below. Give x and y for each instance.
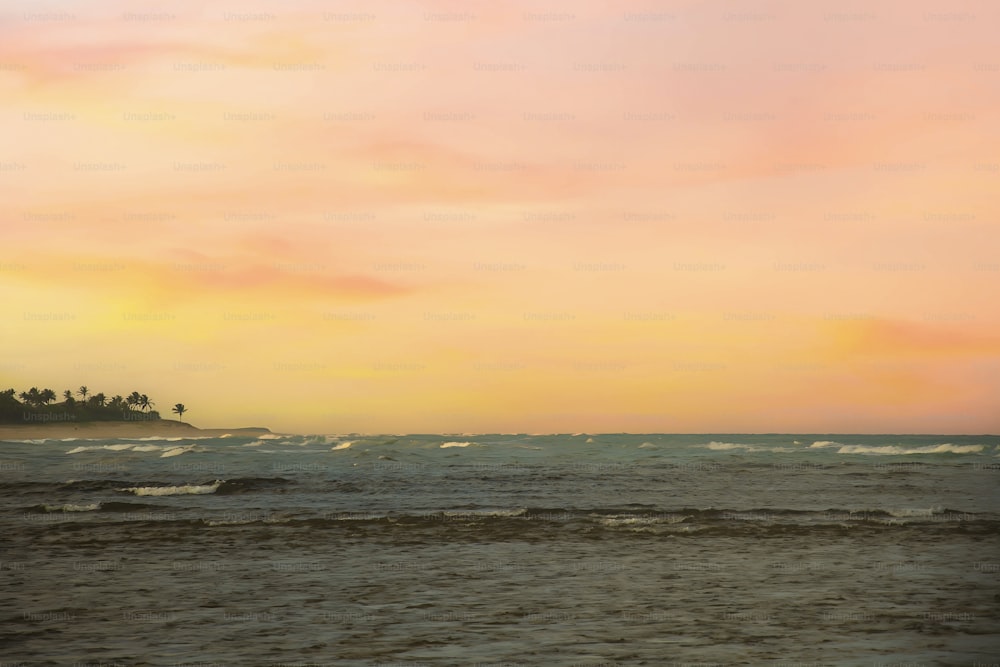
(116, 429)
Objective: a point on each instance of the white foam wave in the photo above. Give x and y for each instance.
(243, 522)
(270, 436)
(642, 520)
(177, 451)
(475, 514)
(39, 441)
(915, 512)
(894, 450)
(343, 445)
(72, 508)
(188, 489)
(728, 446)
(723, 446)
(956, 449)
(820, 444)
(456, 444)
(116, 448)
(589, 440)
(36, 441)
(647, 445)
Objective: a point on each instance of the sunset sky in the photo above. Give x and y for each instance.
(689, 216)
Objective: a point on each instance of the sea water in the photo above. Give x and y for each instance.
(575, 549)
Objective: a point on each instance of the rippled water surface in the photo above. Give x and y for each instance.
(501, 549)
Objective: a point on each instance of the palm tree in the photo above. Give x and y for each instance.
(83, 392)
(180, 410)
(47, 396)
(31, 397)
(133, 399)
(145, 403)
(98, 399)
(117, 401)
(67, 395)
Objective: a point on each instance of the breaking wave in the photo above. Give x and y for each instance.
(894, 450)
(220, 487)
(727, 446)
(187, 489)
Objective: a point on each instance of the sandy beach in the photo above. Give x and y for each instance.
(122, 429)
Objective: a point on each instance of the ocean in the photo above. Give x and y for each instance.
(556, 550)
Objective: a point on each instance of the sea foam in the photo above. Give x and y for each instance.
(187, 489)
(72, 508)
(894, 450)
(176, 451)
(726, 446)
(115, 448)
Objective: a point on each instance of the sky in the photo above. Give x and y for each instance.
(600, 216)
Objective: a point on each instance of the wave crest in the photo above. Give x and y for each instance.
(728, 446)
(187, 489)
(895, 450)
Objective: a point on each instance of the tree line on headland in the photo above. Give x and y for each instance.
(40, 405)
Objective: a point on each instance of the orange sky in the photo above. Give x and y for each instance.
(442, 216)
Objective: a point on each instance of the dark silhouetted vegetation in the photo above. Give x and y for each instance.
(38, 406)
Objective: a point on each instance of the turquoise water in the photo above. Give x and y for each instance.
(502, 549)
